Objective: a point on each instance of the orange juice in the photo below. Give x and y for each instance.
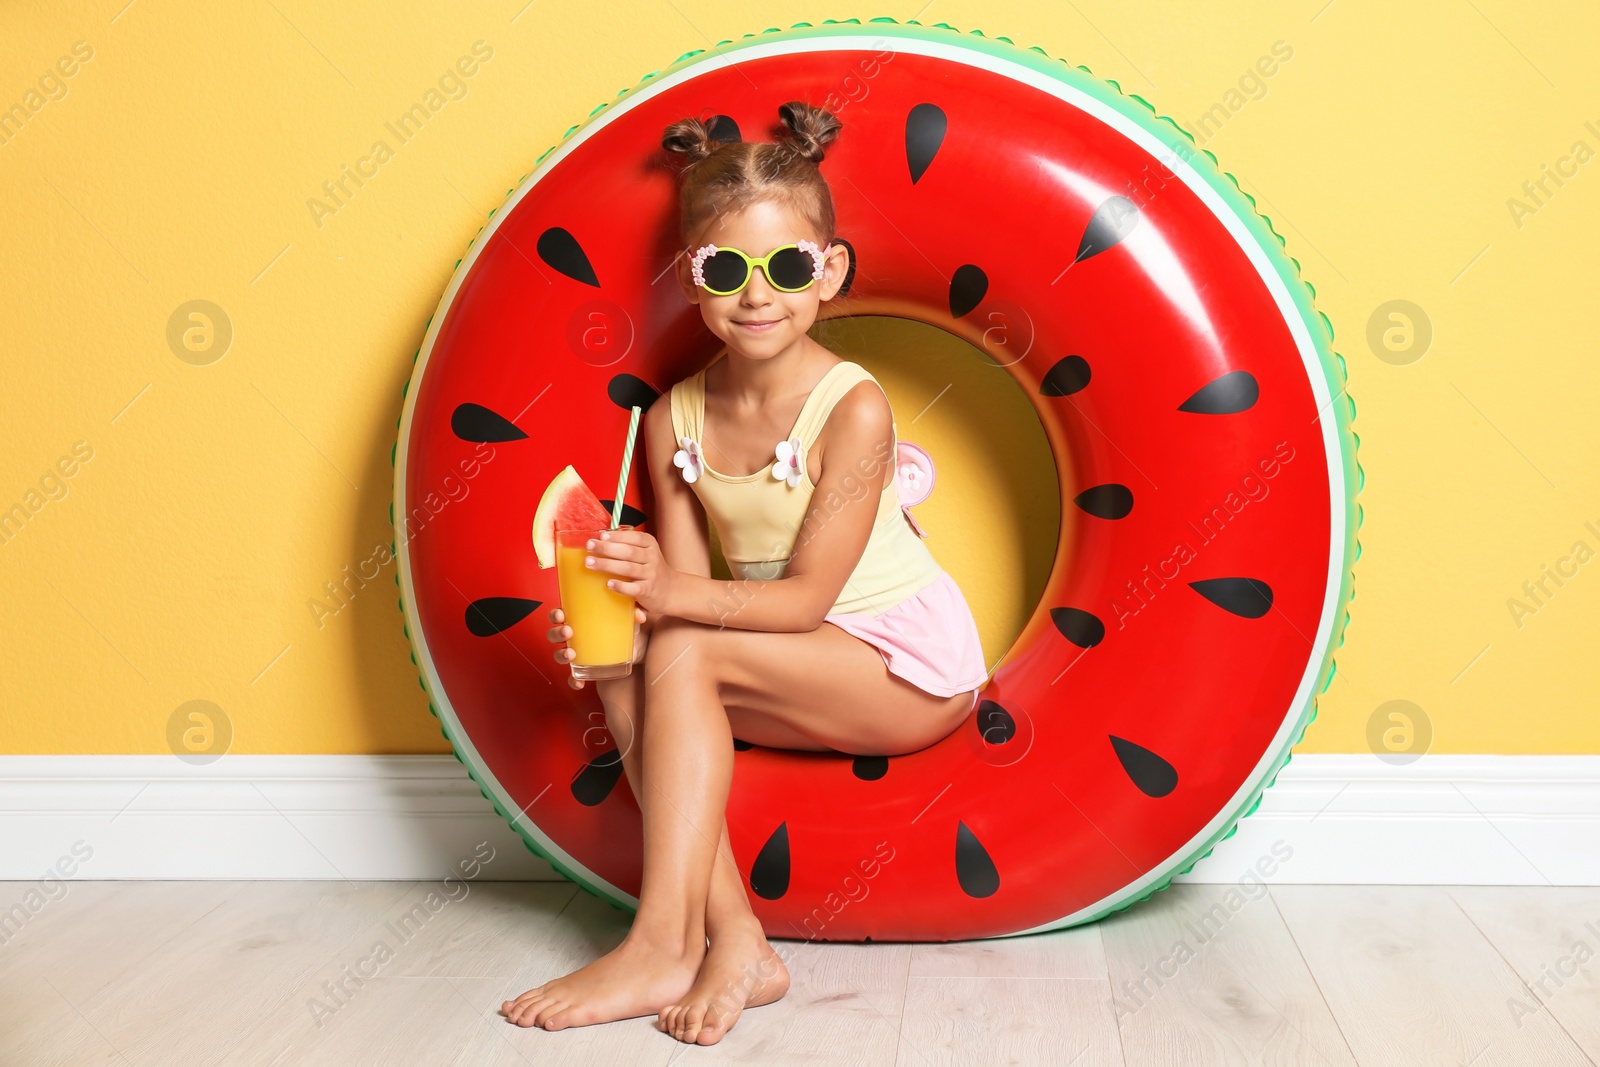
(601, 619)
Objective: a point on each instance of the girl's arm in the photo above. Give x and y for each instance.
(680, 520)
(857, 465)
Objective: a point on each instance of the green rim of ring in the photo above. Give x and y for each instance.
(1181, 142)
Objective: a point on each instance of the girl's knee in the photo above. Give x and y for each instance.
(675, 640)
(669, 631)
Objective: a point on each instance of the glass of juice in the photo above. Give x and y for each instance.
(602, 620)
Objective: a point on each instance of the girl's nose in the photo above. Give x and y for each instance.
(757, 292)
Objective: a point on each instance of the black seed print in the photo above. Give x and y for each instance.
(1230, 394)
(769, 875)
(850, 271)
(474, 422)
(742, 746)
(974, 869)
(627, 391)
(631, 516)
(723, 129)
(493, 614)
(995, 724)
(1250, 598)
(1065, 378)
(968, 286)
(1154, 776)
(925, 127)
(598, 778)
(870, 768)
(1078, 626)
(1111, 222)
(1110, 501)
(561, 250)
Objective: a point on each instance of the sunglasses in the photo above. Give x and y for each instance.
(789, 268)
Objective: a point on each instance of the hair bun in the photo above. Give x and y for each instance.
(811, 129)
(691, 139)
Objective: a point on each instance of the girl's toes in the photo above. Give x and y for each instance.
(560, 1020)
(525, 1007)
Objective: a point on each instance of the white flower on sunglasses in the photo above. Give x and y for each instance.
(699, 259)
(688, 457)
(788, 465)
(817, 257)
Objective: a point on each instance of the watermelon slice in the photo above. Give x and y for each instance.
(567, 504)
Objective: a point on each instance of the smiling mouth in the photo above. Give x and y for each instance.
(756, 323)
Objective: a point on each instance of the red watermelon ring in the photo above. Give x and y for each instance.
(1186, 386)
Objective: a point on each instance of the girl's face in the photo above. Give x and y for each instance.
(759, 321)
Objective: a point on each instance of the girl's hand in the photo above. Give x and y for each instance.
(561, 633)
(642, 572)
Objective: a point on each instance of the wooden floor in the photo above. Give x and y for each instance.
(247, 973)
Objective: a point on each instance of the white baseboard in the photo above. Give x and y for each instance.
(248, 817)
(1442, 820)
(1348, 819)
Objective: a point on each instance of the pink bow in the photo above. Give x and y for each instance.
(914, 473)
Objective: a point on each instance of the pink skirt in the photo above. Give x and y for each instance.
(930, 639)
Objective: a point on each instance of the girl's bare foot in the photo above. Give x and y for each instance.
(740, 971)
(632, 979)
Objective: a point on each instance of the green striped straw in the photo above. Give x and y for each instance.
(627, 458)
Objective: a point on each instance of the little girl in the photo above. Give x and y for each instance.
(840, 631)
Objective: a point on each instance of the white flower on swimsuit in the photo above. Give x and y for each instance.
(788, 466)
(688, 457)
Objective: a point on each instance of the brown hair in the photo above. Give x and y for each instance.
(724, 176)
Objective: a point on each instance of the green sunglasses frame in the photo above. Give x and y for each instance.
(751, 263)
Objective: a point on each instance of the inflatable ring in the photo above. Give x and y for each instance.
(1188, 392)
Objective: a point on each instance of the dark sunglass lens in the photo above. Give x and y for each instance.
(791, 268)
(725, 271)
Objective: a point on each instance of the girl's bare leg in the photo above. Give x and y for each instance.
(739, 962)
(685, 765)
(741, 969)
(774, 696)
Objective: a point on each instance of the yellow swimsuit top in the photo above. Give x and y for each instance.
(758, 516)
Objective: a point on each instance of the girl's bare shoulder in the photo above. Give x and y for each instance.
(862, 408)
(657, 422)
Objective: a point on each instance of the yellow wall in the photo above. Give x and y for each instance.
(218, 498)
